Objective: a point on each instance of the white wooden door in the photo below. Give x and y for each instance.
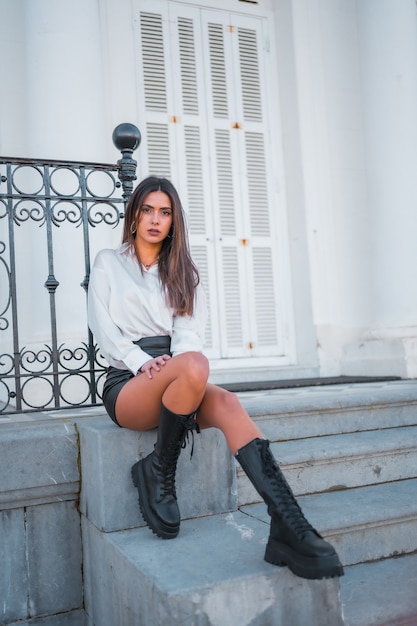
(206, 102)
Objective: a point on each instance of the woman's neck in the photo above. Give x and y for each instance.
(147, 254)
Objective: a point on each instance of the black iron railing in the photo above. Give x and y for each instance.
(53, 216)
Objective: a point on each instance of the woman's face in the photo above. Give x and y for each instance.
(154, 218)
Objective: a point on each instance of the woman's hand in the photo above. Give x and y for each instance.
(154, 364)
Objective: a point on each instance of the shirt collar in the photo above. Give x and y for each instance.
(126, 247)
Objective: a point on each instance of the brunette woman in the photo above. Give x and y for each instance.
(147, 310)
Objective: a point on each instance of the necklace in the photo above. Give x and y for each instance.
(149, 265)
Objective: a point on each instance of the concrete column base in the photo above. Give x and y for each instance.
(382, 357)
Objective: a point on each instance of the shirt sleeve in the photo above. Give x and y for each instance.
(188, 330)
(118, 350)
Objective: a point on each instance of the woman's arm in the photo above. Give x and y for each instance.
(117, 349)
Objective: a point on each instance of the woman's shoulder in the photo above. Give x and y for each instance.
(110, 255)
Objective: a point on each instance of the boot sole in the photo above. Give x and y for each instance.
(158, 528)
(313, 568)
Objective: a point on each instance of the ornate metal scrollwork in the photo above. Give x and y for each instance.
(58, 198)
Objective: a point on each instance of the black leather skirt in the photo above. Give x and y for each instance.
(116, 378)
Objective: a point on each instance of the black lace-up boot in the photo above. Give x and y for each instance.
(292, 540)
(154, 476)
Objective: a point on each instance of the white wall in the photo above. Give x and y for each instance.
(356, 64)
(388, 47)
(334, 168)
(348, 89)
(64, 81)
(13, 128)
(55, 99)
(388, 40)
(305, 332)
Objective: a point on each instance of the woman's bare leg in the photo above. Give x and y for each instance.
(168, 398)
(179, 385)
(222, 409)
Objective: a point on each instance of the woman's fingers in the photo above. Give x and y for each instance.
(154, 364)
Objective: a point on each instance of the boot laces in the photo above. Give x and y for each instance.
(190, 424)
(170, 457)
(289, 509)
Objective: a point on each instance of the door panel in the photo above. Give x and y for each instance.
(205, 94)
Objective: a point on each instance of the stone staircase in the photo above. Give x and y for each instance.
(350, 455)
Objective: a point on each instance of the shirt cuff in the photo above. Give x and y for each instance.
(135, 359)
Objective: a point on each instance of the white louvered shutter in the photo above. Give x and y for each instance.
(204, 92)
(155, 65)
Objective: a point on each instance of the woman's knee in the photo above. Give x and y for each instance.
(221, 409)
(195, 367)
(223, 402)
(230, 402)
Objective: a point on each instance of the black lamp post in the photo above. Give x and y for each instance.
(126, 138)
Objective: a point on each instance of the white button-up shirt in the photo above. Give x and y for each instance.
(125, 305)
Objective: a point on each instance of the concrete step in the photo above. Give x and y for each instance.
(351, 451)
(108, 497)
(313, 464)
(212, 574)
(381, 593)
(342, 461)
(365, 523)
(333, 409)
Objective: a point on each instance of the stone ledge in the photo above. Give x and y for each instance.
(32, 496)
(311, 400)
(38, 457)
(206, 483)
(70, 618)
(41, 566)
(212, 573)
(381, 593)
(365, 523)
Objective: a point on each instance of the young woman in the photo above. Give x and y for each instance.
(146, 310)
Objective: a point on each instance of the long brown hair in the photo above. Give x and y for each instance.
(177, 271)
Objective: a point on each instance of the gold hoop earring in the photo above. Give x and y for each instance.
(133, 228)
